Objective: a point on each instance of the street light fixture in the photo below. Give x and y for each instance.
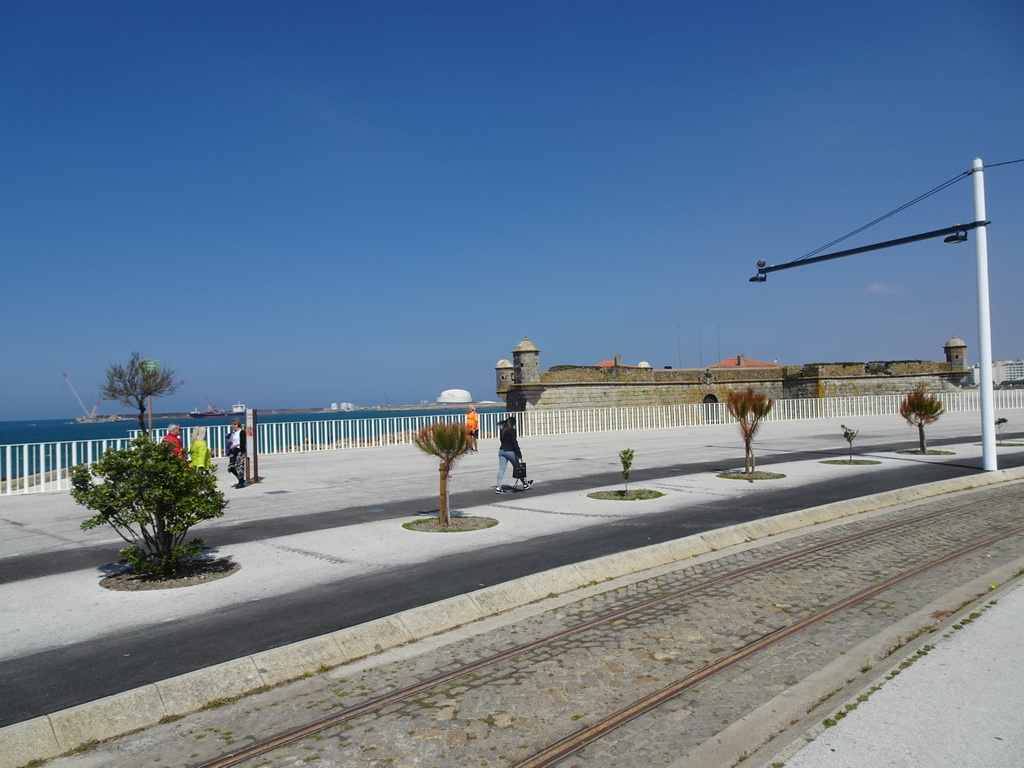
(954, 234)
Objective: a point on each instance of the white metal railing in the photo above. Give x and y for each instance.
(37, 467)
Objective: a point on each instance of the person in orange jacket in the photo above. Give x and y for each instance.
(473, 427)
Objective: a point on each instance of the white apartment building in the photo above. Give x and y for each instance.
(1002, 370)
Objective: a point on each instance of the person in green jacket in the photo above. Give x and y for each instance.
(199, 451)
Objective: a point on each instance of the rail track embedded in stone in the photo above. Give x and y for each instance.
(888, 555)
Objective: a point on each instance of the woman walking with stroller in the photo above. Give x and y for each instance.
(509, 451)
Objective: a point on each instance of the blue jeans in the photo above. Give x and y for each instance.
(504, 457)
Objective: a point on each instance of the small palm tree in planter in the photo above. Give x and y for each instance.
(626, 457)
(849, 435)
(749, 408)
(920, 409)
(449, 442)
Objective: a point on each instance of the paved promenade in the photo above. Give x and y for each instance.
(332, 520)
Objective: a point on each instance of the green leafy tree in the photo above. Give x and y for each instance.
(626, 459)
(749, 408)
(151, 498)
(449, 442)
(849, 435)
(920, 409)
(133, 384)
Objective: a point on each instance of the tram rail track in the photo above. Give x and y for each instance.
(557, 752)
(560, 749)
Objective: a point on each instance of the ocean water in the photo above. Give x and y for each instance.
(61, 430)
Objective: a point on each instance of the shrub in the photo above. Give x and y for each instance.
(151, 498)
(626, 459)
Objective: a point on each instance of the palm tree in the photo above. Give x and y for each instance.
(919, 409)
(748, 408)
(449, 442)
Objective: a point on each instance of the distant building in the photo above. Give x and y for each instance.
(1004, 373)
(741, 361)
(455, 396)
(610, 384)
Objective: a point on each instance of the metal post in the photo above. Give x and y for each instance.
(988, 416)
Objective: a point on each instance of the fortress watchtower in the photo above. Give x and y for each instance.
(526, 362)
(502, 377)
(956, 353)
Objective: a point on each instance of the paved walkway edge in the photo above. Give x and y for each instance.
(52, 735)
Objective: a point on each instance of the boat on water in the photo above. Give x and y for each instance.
(238, 408)
(212, 413)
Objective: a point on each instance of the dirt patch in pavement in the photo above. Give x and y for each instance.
(468, 523)
(198, 572)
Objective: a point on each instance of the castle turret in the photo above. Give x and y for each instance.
(502, 377)
(956, 353)
(526, 361)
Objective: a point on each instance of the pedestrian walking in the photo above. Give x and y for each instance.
(199, 450)
(173, 437)
(509, 451)
(473, 427)
(236, 452)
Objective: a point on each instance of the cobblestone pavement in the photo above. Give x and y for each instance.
(501, 714)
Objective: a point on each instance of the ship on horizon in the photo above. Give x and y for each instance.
(213, 412)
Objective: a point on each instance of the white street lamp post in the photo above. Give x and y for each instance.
(956, 234)
(988, 416)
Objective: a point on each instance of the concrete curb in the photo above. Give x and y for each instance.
(49, 736)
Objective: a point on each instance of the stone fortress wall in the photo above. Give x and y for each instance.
(523, 386)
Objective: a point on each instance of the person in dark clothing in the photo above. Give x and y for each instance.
(508, 451)
(236, 452)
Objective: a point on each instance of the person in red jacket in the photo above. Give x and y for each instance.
(173, 437)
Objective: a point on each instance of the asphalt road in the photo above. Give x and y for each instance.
(58, 678)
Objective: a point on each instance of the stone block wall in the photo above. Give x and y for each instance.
(623, 387)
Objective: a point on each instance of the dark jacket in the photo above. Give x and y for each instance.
(510, 441)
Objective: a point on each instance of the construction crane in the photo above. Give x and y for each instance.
(88, 416)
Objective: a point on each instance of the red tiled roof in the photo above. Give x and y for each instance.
(732, 362)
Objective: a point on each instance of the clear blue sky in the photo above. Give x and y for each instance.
(293, 204)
